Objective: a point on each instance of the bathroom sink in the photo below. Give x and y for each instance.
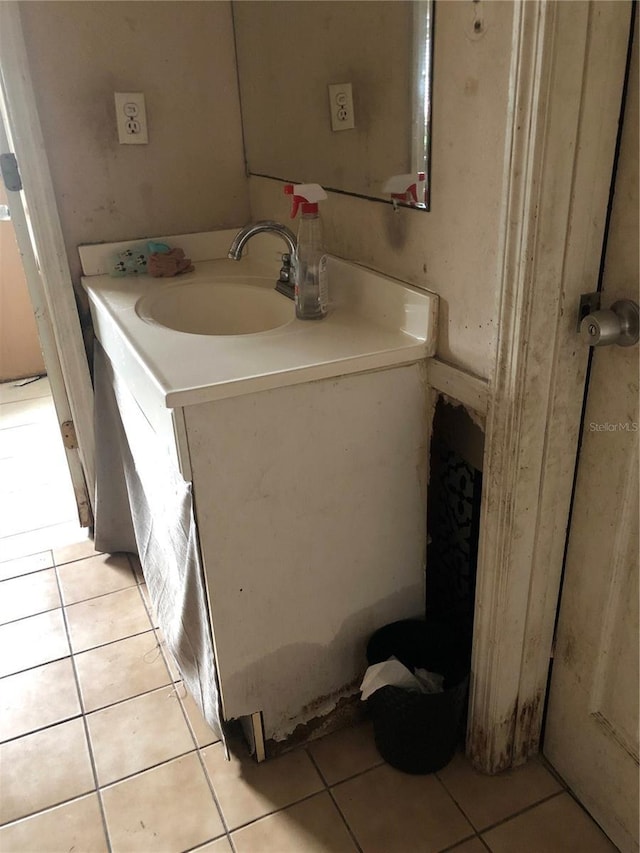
(216, 308)
(223, 331)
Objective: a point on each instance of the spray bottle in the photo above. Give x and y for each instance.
(310, 262)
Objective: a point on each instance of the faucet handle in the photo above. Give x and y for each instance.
(285, 269)
(284, 284)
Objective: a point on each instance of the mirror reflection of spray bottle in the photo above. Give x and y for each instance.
(408, 189)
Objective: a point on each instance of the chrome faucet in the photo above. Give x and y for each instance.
(284, 284)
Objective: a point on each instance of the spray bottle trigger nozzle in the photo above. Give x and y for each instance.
(405, 187)
(307, 195)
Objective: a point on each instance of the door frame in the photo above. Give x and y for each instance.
(567, 74)
(44, 256)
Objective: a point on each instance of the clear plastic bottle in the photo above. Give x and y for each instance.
(309, 263)
(310, 270)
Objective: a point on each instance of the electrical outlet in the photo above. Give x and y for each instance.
(341, 106)
(131, 118)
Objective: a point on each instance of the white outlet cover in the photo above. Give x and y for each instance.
(341, 106)
(131, 118)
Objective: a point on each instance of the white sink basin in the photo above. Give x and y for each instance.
(222, 331)
(216, 308)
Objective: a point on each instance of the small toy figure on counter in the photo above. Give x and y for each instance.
(310, 262)
(154, 258)
(131, 261)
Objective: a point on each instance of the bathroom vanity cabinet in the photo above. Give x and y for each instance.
(308, 473)
(311, 511)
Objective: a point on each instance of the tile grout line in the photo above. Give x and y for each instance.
(135, 773)
(276, 811)
(26, 557)
(455, 801)
(333, 800)
(583, 808)
(130, 559)
(232, 843)
(197, 748)
(85, 724)
(94, 597)
(128, 698)
(474, 833)
(94, 710)
(39, 729)
(478, 831)
(214, 796)
(35, 666)
(170, 686)
(453, 847)
(99, 595)
(49, 808)
(80, 559)
(190, 726)
(92, 649)
(164, 654)
(551, 769)
(26, 574)
(267, 814)
(59, 607)
(105, 595)
(147, 604)
(111, 642)
(522, 811)
(36, 530)
(316, 766)
(380, 763)
(203, 844)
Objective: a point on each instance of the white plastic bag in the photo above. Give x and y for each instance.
(394, 673)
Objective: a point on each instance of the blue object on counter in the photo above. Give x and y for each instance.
(135, 259)
(159, 248)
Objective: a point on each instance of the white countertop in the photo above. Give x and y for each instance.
(374, 322)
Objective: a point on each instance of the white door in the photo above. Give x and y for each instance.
(39, 236)
(49, 351)
(591, 733)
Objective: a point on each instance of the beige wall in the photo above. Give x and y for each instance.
(190, 177)
(451, 249)
(20, 353)
(181, 55)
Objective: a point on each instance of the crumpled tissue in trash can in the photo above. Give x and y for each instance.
(393, 673)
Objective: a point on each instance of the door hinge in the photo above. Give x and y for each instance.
(10, 172)
(69, 438)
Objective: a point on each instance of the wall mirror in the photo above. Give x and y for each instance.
(289, 53)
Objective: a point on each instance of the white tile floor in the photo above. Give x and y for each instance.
(102, 750)
(37, 505)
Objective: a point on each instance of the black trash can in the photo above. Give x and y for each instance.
(419, 732)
